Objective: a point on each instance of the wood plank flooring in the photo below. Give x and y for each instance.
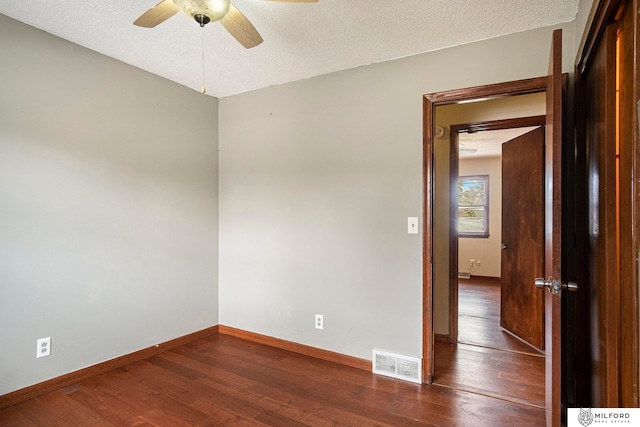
(223, 380)
(479, 317)
(486, 359)
(511, 376)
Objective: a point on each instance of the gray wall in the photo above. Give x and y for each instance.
(317, 179)
(108, 207)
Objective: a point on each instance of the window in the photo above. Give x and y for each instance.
(473, 206)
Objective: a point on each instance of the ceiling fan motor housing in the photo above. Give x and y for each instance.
(214, 10)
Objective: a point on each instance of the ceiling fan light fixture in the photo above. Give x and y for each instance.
(212, 9)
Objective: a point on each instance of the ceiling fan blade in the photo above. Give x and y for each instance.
(240, 28)
(157, 14)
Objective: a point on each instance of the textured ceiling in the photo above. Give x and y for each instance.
(300, 40)
(488, 143)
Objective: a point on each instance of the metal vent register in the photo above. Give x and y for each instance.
(397, 366)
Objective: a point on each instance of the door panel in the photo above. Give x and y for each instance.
(552, 232)
(521, 304)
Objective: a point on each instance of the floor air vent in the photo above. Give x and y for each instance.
(464, 275)
(397, 366)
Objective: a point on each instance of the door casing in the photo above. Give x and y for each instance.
(430, 102)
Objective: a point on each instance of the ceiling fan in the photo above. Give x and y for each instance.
(205, 11)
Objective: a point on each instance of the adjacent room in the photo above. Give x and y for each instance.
(482, 345)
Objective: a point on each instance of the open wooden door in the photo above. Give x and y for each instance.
(552, 231)
(522, 305)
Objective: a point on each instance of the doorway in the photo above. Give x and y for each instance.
(486, 249)
(482, 352)
(520, 87)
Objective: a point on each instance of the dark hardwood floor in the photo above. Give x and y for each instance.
(479, 317)
(222, 380)
(486, 359)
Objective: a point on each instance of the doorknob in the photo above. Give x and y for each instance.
(503, 246)
(555, 286)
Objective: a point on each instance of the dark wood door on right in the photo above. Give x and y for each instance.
(603, 205)
(521, 304)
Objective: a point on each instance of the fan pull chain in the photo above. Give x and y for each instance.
(204, 89)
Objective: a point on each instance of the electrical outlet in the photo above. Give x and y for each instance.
(319, 321)
(43, 347)
(478, 263)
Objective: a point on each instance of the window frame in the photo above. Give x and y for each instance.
(485, 233)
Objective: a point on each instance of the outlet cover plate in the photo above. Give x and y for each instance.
(43, 347)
